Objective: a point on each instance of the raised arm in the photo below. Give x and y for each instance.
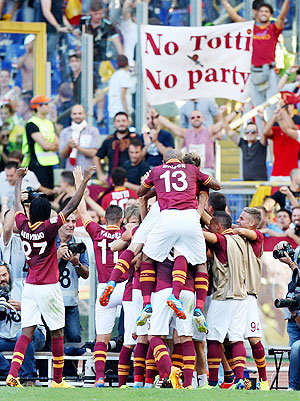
(21, 172)
(231, 12)
(283, 13)
(82, 210)
(171, 126)
(76, 198)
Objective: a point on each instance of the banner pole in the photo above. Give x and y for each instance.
(196, 13)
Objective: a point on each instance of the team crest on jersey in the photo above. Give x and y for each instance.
(53, 220)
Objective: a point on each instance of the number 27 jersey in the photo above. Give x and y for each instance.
(104, 256)
(176, 185)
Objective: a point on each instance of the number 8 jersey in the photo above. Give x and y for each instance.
(176, 184)
(39, 241)
(104, 256)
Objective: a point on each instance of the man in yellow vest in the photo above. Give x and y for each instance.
(40, 142)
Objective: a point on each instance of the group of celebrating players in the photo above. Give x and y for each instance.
(160, 272)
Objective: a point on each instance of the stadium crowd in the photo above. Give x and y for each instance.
(139, 197)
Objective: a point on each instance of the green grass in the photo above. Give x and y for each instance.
(113, 394)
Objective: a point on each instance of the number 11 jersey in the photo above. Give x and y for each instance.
(104, 256)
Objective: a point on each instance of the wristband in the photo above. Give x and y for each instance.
(288, 73)
(292, 263)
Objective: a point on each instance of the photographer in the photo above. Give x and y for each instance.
(284, 252)
(10, 325)
(72, 265)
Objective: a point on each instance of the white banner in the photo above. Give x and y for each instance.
(191, 62)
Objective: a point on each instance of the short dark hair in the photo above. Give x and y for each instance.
(40, 210)
(217, 201)
(7, 106)
(192, 158)
(256, 4)
(16, 154)
(267, 5)
(223, 218)
(122, 61)
(136, 142)
(121, 113)
(96, 6)
(5, 127)
(118, 175)
(286, 211)
(10, 165)
(113, 214)
(68, 177)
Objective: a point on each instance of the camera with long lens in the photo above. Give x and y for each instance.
(77, 248)
(33, 194)
(4, 297)
(293, 303)
(281, 253)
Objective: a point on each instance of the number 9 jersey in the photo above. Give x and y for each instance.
(176, 184)
(39, 241)
(104, 256)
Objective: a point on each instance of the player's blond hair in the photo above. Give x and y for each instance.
(255, 213)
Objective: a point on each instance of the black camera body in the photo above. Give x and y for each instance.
(292, 303)
(33, 194)
(4, 297)
(77, 248)
(281, 253)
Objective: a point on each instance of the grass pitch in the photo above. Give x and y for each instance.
(114, 394)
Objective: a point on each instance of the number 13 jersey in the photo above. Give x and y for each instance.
(176, 184)
(39, 241)
(104, 256)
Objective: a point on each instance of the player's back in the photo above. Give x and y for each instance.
(102, 239)
(118, 197)
(176, 185)
(40, 249)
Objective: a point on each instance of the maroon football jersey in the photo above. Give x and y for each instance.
(176, 185)
(39, 241)
(118, 197)
(164, 276)
(105, 257)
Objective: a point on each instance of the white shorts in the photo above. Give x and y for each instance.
(163, 316)
(180, 229)
(137, 301)
(227, 318)
(105, 315)
(129, 323)
(253, 327)
(46, 300)
(147, 224)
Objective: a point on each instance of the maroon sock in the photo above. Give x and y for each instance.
(179, 275)
(161, 356)
(57, 347)
(177, 356)
(239, 359)
(124, 365)
(147, 282)
(189, 357)
(214, 357)
(139, 361)
(201, 287)
(151, 369)
(122, 265)
(100, 351)
(228, 354)
(18, 356)
(259, 356)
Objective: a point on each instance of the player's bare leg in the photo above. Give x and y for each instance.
(200, 362)
(201, 288)
(122, 265)
(12, 379)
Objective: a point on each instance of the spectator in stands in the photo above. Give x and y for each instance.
(128, 28)
(10, 327)
(199, 139)
(103, 31)
(115, 146)
(57, 23)
(71, 267)
(8, 179)
(254, 152)
(40, 142)
(294, 231)
(119, 195)
(5, 145)
(285, 143)
(7, 93)
(79, 142)
(294, 87)
(23, 111)
(263, 79)
(288, 196)
(281, 225)
(267, 228)
(207, 107)
(25, 63)
(64, 102)
(6, 114)
(156, 141)
(66, 191)
(135, 167)
(121, 87)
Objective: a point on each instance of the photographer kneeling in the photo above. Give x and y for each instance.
(284, 252)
